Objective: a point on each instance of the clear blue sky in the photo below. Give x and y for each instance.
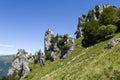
(24, 22)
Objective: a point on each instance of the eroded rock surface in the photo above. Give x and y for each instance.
(57, 46)
(47, 39)
(20, 65)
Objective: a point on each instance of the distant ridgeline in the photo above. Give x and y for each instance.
(101, 23)
(5, 63)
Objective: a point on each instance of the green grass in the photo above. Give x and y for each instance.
(92, 63)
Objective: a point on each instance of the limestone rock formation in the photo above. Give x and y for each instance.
(20, 65)
(70, 42)
(47, 39)
(57, 46)
(92, 14)
(113, 43)
(39, 57)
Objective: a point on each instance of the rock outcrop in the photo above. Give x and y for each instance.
(20, 65)
(57, 46)
(47, 39)
(92, 14)
(69, 42)
(39, 57)
(113, 43)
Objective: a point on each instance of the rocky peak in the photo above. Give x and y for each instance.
(20, 65)
(92, 14)
(47, 39)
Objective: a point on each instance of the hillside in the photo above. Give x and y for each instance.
(5, 63)
(93, 55)
(92, 63)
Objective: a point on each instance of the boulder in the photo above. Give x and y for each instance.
(113, 43)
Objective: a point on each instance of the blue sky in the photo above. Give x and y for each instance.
(24, 22)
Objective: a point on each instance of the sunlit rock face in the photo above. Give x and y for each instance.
(47, 39)
(54, 45)
(20, 65)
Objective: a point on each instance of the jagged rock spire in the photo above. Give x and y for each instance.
(47, 39)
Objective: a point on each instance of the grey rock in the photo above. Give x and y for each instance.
(47, 39)
(49, 46)
(113, 43)
(20, 64)
(92, 14)
(70, 41)
(53, 48)
(55, 52)
(39, 57)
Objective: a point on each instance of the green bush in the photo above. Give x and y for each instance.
(4, 78)
(118, 13)
(104, 31)
(48, 55)
(90, 31)
(101, 32)
(118, 23)
(110, 29)
(118, 26)
(109, 16)
(94, 33)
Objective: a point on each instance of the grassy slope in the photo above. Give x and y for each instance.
(93, 63)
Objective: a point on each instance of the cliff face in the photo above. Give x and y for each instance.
(57, 46)
(92, 14)
(20, 65)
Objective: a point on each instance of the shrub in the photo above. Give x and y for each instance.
(118, 26)
(109, 16)
(118, 13)
(94, 33)
(4, 78)
(48, 55)
(110, 29)
(90, 31)
(101, 32)
(104, 31)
